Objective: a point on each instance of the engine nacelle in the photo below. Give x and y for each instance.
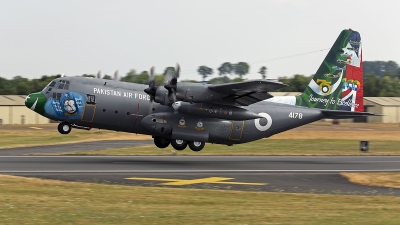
(188, 92)
(215, 111)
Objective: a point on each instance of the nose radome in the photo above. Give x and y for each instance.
(36, 102)
(27, 100)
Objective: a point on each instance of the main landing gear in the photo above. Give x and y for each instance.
(161, 142)
(64, 128)
(178, 144)
(196, 145)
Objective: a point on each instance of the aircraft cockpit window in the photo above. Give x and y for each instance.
(54, 95)
(58, 96)
(52, 84)
(61, 86)
(67, 81)
(62, 81)
(66, 87)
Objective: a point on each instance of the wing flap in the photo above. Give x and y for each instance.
(248, 92)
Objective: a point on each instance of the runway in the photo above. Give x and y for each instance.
(295, 174)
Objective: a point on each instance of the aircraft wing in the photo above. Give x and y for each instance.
(248, 92)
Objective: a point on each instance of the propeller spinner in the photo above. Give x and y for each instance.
(171, 86)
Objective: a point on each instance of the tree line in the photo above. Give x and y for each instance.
(381, 79)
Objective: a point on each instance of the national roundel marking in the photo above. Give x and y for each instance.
(266, 126)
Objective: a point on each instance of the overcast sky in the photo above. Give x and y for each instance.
(46, 37)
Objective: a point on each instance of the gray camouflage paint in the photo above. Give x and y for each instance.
(125, 107)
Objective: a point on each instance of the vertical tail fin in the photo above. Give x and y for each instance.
(338, 83)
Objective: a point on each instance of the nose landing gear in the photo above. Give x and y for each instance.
(64, 128)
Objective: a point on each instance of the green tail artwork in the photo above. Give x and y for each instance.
(338, 83)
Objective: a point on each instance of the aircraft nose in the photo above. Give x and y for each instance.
(36, 102)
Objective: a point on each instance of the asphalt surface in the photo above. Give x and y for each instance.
(298, 174)
(83, 146)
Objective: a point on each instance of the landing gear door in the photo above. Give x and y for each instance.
(236, 130)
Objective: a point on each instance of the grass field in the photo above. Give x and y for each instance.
(391, 179)
(35, 201)
(21, 136)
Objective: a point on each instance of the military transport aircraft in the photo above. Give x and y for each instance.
(192, 114)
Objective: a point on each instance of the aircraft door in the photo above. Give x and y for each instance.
(89, 109)
(88, 113)
(236, 130)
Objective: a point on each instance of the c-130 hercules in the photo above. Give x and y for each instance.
(192, 114)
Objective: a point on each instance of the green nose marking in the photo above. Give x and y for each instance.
(36, 102)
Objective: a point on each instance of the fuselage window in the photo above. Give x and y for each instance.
(66, 87)
(58, 96)
(52, 84)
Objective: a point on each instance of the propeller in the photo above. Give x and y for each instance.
(152, 89)
(172, 80)
(98, 74)
(116, 77)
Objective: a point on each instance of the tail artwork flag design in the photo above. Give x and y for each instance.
(338, 83)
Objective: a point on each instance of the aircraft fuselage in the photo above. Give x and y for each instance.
(121, 106)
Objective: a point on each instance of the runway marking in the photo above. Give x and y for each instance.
(181, 182)
(36, 128)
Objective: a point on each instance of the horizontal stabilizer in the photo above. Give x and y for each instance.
(340, 114)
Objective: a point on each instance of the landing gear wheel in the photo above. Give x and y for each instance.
(196, 145)
(64, 128)
(161, 142)
(179, 144)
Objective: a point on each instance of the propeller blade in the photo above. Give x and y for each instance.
(174, 95)
(177, 70)
(151, 78)
(98, 74)
(116, 77)
(172, 80)
(152, 89)
(169, 76)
